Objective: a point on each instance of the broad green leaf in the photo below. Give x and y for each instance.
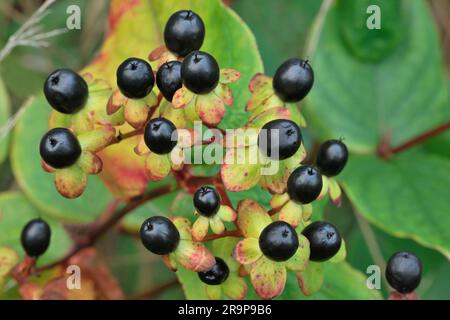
(406, 196)
(15, 212)
(37, 184)
(4, 115)
(193, 288)
(403, 95)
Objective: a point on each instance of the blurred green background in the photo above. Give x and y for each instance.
(369, 86)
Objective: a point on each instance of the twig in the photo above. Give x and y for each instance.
(155, 291)
(317, 27)
(385, 151)
(109, 219)
(12, 121)
(28, 34)
(233, 233)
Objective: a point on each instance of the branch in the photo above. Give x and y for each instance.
(233, 233)
(316, 30)
(385, 151)
(28, 34)
(155, 291)
(90, 233)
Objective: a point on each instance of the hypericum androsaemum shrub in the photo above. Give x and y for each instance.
(227, 247)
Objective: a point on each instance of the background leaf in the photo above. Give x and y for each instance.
(37, 184)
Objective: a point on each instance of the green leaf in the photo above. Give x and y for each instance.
(193, 288)
(37, 184)
(4, 115)
(15, 212)
(406, 196)
(364, 102)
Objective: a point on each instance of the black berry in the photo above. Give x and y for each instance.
(217, 274)
(60, 148)
(66, 91)
(332, 157)
(35, 237)
(403, 272)
(287, 139)
(207, 201)
(278, 241)
(184, 32)
(159, 235)
(324, 240)
(160, 135)
(293, 80)
(135, 78)
(200, 72)
(168, 79)
(304, 184)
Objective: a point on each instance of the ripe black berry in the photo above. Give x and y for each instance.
(207, 201)
(287, 139)
(35, 237)
(324, 240)
(60, 148)
(184, 32)
(278, 241)
(217, 274)
(159, 235)
(160, 135)
(168, 79)
(332, 157)
(200, 72)
(403, 272)
(66, 91)
(135, 78)
(304, 184)
(293, 80)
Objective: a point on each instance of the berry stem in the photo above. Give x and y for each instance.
(86, 235)
(123, 136)
(385, 151)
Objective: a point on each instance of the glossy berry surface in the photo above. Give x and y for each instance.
(217, 274)
(135, 78)
(332, 157)
(159, 235)
(207, 201)
(184, 32)
(324, 240)
(404, 271)
(35, 237)
(60, 148)
(304, 184)
(66, 91)
(278, 241)
(280, 139)
(200, 72)
(293, 80)
(160, 135)
(168, 79)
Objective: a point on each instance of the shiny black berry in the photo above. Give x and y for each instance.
(207, 201)
(278, 241)
(324, 240)
(403, 272)
(66, 91)
(60, 148)
(293, 80)
(159, 235)
(35, 237)
(200, 72)
(280, 139)
(184, 32)
(135, 78)
(332, 157)
(168, 79)
(304, 184)
(160, 135)
(217, 274)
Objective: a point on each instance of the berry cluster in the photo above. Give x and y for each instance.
(190, 86)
